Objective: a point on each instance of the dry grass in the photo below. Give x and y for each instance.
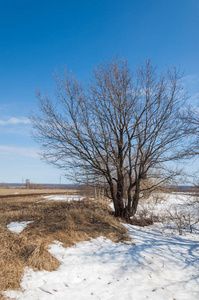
(28, 192)
(66, 222)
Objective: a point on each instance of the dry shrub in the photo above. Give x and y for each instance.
(66, 222)
(144, 218)
(143, 221)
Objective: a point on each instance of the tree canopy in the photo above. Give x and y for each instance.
(120, 126)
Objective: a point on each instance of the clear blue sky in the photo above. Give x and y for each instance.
(38, 36)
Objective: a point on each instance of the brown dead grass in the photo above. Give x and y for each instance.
(52, 220)
(14, 192)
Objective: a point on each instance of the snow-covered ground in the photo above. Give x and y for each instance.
(178, 212)
(17, 227)
(67, 198)
(156, 265)
(161, 203)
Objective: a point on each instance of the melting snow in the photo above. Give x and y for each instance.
(64, 197)
(158, 267)
(17, 227)
(153, 266)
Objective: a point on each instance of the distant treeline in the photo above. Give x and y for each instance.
(43, 185)
(179, 188)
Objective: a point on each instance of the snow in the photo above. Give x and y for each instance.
(161, 203)
(176, 210)
(67, 198)
(111, 205)
(155, 265)
(17, 227)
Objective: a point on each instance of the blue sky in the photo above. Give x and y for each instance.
(39, 36)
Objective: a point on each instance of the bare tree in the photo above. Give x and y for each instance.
(120, 126)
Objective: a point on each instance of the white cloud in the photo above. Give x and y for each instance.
(21, 151)
(14, 121)
(191, 79)
(194, 100)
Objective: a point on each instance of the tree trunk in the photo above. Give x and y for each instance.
(128, 207)
(136, 198)
(119, 209)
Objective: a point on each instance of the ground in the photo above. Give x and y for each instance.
(156, 262)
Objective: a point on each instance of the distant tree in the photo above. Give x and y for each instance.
(120, 127)
(190, 116)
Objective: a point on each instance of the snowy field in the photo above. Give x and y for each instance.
(159, 263)
(177, 212)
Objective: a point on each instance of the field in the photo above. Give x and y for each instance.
(75, 248)
(13, 192)
(68, 222)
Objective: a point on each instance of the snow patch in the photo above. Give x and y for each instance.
(111, 205)
(67, 198)
(17, 227)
